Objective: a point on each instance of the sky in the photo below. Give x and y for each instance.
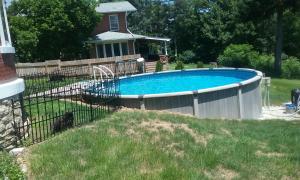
(8, 2)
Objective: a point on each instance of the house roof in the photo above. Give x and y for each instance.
(117, 36)
(113, 7)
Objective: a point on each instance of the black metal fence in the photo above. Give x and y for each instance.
(60, 100)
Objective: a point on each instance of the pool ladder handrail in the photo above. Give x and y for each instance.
(102, 69)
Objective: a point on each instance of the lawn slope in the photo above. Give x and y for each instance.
(150, 145)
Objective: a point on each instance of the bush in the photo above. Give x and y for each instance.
(179, 65)
(8, 167)
(187, 56)
(238, 56)
(291, 68)
(159, 66)
(200, 64)
(264, 63)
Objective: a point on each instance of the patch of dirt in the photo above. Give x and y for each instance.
(157, 125)
(82, 162)
(90, 126)
(173, 149)
(226, 132)
(125, 109)
(113, 132)
(269, 154)
(202, 139)
(287, 178)
(132, 132)
(221, 173)
(155, 139)
(262, 145)
(146, 169)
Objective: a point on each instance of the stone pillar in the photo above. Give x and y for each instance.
(10, 86)
(10, 112)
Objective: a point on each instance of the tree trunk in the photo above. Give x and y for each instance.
(279, 40)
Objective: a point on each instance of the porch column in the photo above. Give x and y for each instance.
(121, 50)
(133, 46)
(97, 56)
(166, 48)
(104, 50)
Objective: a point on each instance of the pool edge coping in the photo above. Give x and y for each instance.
(258, 76)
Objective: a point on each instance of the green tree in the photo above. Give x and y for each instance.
(267, 9)
(43, 29)
(291, 32)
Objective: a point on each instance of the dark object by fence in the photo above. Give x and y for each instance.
(295, 97)
(64, 122)
(56, 77)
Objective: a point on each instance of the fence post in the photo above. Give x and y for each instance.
(91, 108)
(240, 102)
(59, 64)
(196, 104)
(46, 67)
(90, 68)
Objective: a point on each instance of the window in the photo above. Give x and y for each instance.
(100, 51)
(108, 50)
(116, 49)
(114, 22)
(124, 48)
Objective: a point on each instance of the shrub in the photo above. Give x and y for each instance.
(9, 168)
(159, 66)
(187, 56)
(179, 65)
(238, 56)
(200, 64)
(264, 63)
(291, 68)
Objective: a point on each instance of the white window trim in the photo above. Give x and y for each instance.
(110, 28)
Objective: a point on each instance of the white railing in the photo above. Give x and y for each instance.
(103, 70)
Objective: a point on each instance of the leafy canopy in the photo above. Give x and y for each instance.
(43, 29)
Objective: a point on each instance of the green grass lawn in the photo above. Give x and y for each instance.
(150, 145)
(280, 91)
(40, 84)
(9, 168)
(187, 66)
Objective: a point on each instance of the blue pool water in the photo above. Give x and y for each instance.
(181, 81)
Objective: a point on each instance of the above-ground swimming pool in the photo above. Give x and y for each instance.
(206, 93)
(181, 81)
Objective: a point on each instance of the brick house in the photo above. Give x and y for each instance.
(111, 37)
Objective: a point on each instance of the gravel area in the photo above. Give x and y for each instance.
(278, 112)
